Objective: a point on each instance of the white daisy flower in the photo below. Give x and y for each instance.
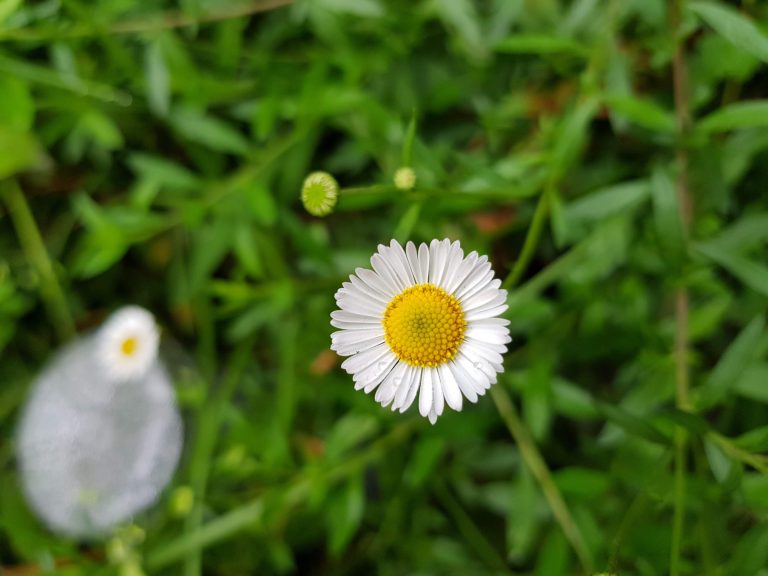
(127, 343)
(422, 322)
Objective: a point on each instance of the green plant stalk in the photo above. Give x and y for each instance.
(205, 443)
(685, 204)
(469, 529)
(531, 241)
(540, 471)
(250, 514)
(36, 253)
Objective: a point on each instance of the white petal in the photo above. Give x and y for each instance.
(354, 317)
(452, 264)
(475, 283)
(461, 272)
(399, 255)
(478, 378)
(432, 417)
(368, 291)
(477, 350)
(450, 388)
(376, 282)
(424, 262)
(413, 260)
(360, 305)
(402, 389)
(438, 254)
(491, 335)
(395, 265)
(484, 296)
(371, 324)
(362, 360)
(386, 392)
(413, 389)
(348, 342)
(425, 396)
(464, 381)
(438, 401)
(497, 348)
(485, 313)
(383, 267)
(475, 276)
(368, 379)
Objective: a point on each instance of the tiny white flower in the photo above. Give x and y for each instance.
(127, 343)
(423, 321)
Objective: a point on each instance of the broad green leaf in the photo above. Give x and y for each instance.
(643, 112)
(424, 458)
(461, 16)
(20, 151)
(572, 136)
(755, 440)
(163, 171)
(345, 512)
(751, 273)
(632, 424)
(211, 132)
(719, 463)
(666, 211)
(749, 114)
(748, 232)
(582, 483)
(753, 383)
(739, 355)
(350, 431)
(541, 44)
(156, 79)
(17, 109)
(733, 26)
(607, 201)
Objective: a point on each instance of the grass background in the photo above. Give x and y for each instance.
(611, 157)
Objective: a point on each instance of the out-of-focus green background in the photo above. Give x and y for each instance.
(611, 157)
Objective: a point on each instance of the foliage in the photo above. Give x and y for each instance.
(155, 154)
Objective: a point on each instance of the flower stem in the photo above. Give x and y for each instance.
(531, 241)
(37, 255)
(685, 204)
(540, 471)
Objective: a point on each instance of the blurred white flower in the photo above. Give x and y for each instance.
(92, 450)
(128, 342)
(423, 321)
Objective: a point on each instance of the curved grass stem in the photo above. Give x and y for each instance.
(538, 467)
(31, 241)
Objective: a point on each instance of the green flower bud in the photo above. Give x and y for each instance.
(405, 178)
(319, 193)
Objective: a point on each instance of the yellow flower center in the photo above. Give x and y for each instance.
(424, 325)
(128, 346)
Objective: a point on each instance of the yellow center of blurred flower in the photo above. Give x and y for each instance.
(424, 325)
(128, 346)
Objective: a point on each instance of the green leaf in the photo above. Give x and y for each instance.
(733, 26)
(667, 217)
(345, 512)
(754, 441)
(157, 82)
(752, 383)
(541, 44)
(739, 355)
(571, 138)
(749, 114)
(7, 8)
(644, 113)
(17, 109)
(751, 273)
(349, 432)
(461, 16)
(19, 151)
(163, 171)
(605, 202)
(632, 424)
(211, 132)
(410, 136)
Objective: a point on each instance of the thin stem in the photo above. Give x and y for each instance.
(469, 529)
(34, 248)
(540, 471)
(682, 376)
(531, 241)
